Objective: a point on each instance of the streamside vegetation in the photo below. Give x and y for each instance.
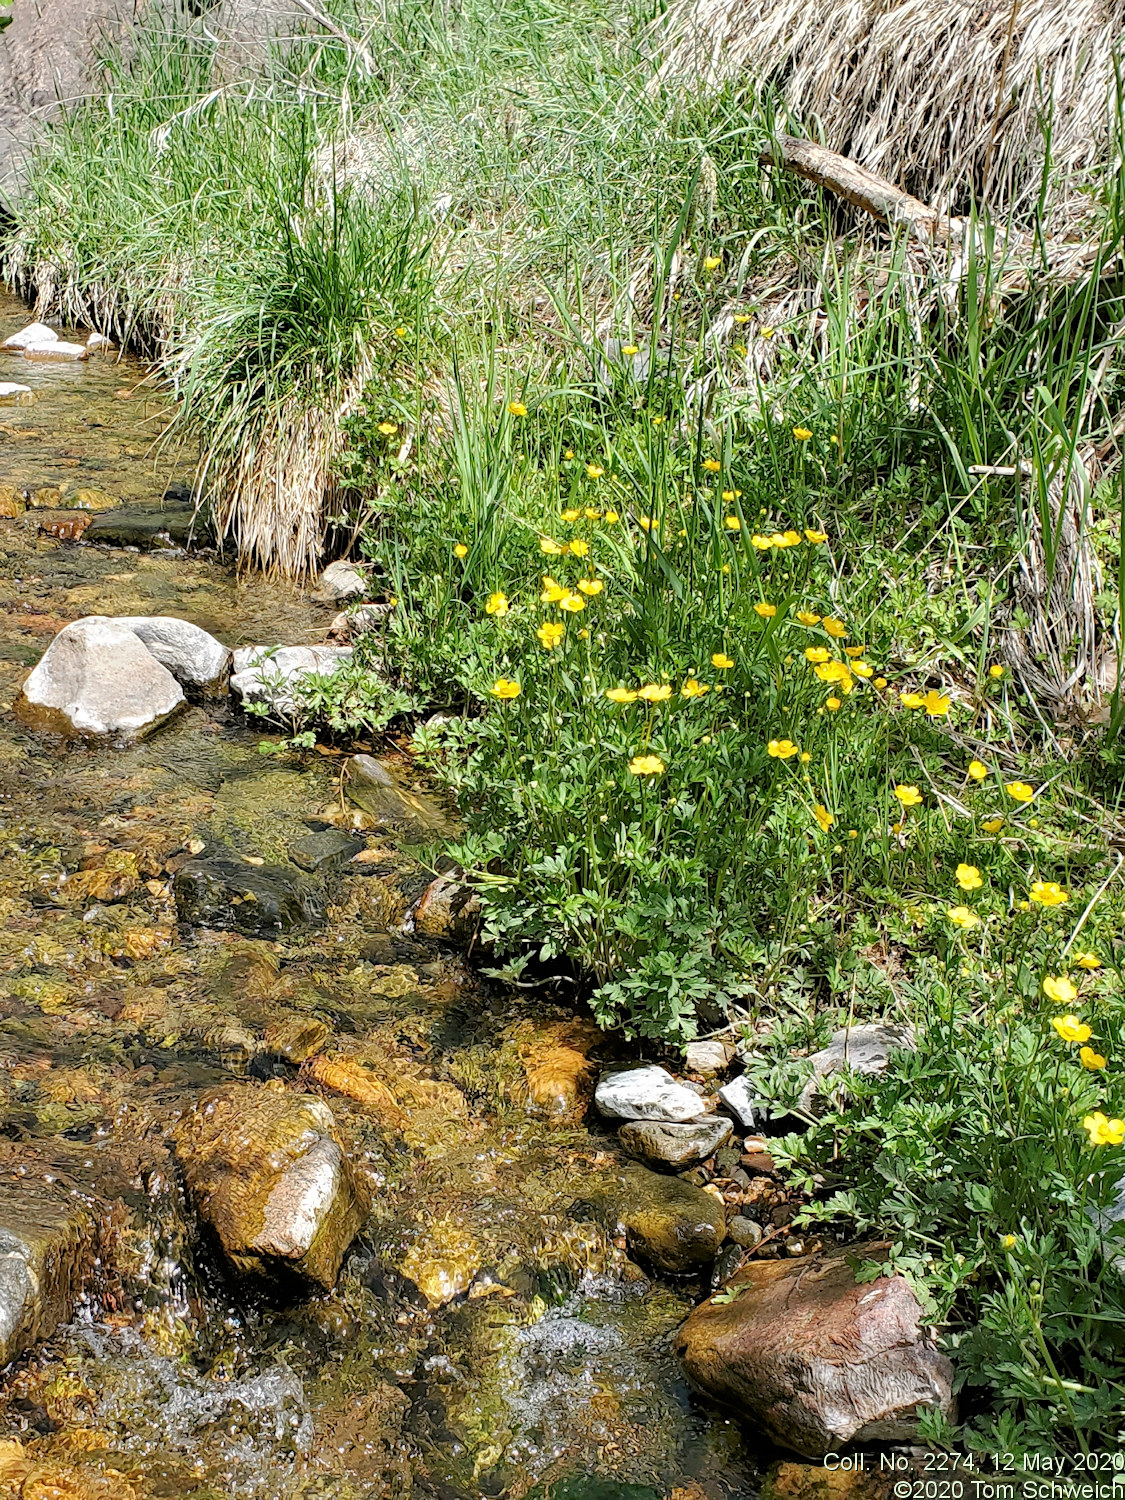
(763, 561)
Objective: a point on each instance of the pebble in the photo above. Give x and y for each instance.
(707, 1058)
(744, 1232)
(738, 1098)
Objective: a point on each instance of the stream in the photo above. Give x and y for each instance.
(486, 1336)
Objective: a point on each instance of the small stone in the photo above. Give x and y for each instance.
(97, 679)
(351, 623)
(55, 349)
(744, 1232)
(677, 1146)
(739, 1099)
(195, 659)
(295, 1039)
(65, 528)
(443, 1263)
(707, 1058)
(555, 1056)
(34, 333)
(339, 581)
(863, 1049)
(46, 497)
(92, 499)
(648, 1092)
(758, 1162)
(14, 394)
(99, 341)
(816, 1360)
(265, 1169)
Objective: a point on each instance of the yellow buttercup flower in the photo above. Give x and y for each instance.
(742, 317)
(574, 604)
(611, 517)
(1048, 893)
(722, 661)
(579, 548)
(817, 655)
(460, 550)
(815, 537)
(645, 523)
(833, 704)
(630, 350)
(1058, 987)
(968, 877)
(1091, 1059)
(712, 262)
(591, 586)
(595, 471)
(782, 749)
(767, 333)
(401, 331)
(1008, 1241)
(854, 651)
(806, 617)
(591, 514)
(646, 765)
(551, 633)
(880, 683)
(712, 465)
(1103, 1131)
(732, 523)
(909, 796)
(1087, 961)
(823, 816)
(505, 687)
(759, 542)
(935, 704)
(550, 547)
(693, 689)
(791, 538)
(911, 700)
(992, 825)
(835, 628)
(497, 604)
(730, 496)
(1071, 1029)
(1019, 791)
(655, 692)
(834, 671)
(863, 669)
(961, 916)
(996, 670)
(767, 611)
(571, 515)
(388, 429)
(517, 408)
(978, 770)
(552, 591)
(802, 434)
(621, 695)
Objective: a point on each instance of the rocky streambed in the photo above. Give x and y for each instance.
(293, 1202)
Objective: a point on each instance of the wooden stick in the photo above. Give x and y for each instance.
(847, 179)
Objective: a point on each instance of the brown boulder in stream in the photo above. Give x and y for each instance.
(814, 1359)
(266, 1170)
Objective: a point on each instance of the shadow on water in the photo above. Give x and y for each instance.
(482, 1338)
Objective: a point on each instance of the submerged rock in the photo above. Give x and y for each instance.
(12, 502)
(862, 1049)
(443, 1262)
(269, 675)
(195, 659)
(447, 910)
(370, 785)
(559, 1075)
(48, 1247)
(148, 528)
(97, 679)
(648, 1092)
(677, 1146)
(339, 581)
(669, 1223)
(220, 889)
(815, 1359)
(325, 851)
(266, 1171)
(88, 498)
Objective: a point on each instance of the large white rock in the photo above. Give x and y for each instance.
(55, 348)
(34, 333)
(339, 581)
(270, 674)
(194, 658)
(98, 679)
(645, 1093)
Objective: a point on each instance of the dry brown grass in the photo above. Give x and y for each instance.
(945, 99)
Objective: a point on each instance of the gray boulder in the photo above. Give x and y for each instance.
(863, 1049)
(270, 675)
(195, 659)
(648, 1092)
(48, 1246)
(658, 1144)
(97, 679)
(339, 581)
(815, 1360)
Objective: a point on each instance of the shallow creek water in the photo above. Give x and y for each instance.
(551, 1373)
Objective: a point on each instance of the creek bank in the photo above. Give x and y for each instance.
(815, 1358)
